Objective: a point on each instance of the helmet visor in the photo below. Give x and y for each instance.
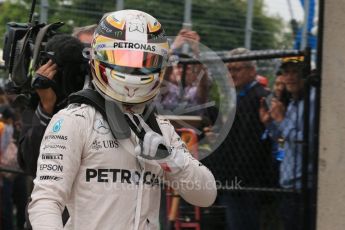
(131, 61)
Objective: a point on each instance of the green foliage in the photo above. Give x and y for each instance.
(13, 11)
(220, 23)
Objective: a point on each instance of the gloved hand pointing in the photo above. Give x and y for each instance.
(154, 147)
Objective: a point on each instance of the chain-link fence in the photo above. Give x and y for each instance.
(248, 164)
(263, 180)
(222, 24)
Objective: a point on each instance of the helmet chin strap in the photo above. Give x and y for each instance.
(133, 108)
(126, 107)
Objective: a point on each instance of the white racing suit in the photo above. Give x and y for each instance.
(100, 180)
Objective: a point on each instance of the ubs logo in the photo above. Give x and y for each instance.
(96, 145)
(110, 144)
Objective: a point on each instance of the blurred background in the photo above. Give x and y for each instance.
(221, 24)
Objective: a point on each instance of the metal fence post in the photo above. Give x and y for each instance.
(120, 5)
(44, 6)
(304, 41)
(249, 24)
(187, 21)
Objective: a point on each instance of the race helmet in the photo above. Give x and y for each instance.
(129, 53)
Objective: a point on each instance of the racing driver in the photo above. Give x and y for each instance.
(107, 168)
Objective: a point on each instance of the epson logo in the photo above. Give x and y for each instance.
(46, 177)
(51, 167)
(138, 46)
(55, 137)
(52, 156)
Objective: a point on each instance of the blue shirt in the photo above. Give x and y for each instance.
(291, 129)
(243, 92)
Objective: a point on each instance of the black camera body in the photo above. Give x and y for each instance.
(14, 32)
(22, 53)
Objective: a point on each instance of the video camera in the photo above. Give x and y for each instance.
(23, 50)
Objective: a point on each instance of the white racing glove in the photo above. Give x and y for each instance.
(154, 147)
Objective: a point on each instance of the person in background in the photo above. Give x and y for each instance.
(55, 79)
(189, 81)
(179, 88)
(8, 159)
(279, 89)
(186, 43)
(243, 157)
(170, 91)
(3, 97)
(262, 80)
(287, 122)
(281, 94)
(58, 76)
(15, 185)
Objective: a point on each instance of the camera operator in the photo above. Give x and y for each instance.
(62, 72)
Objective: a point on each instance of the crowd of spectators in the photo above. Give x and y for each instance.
(14, 187)
(262, 150)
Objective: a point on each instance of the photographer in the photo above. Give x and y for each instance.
(61, 73)
(286, 121)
